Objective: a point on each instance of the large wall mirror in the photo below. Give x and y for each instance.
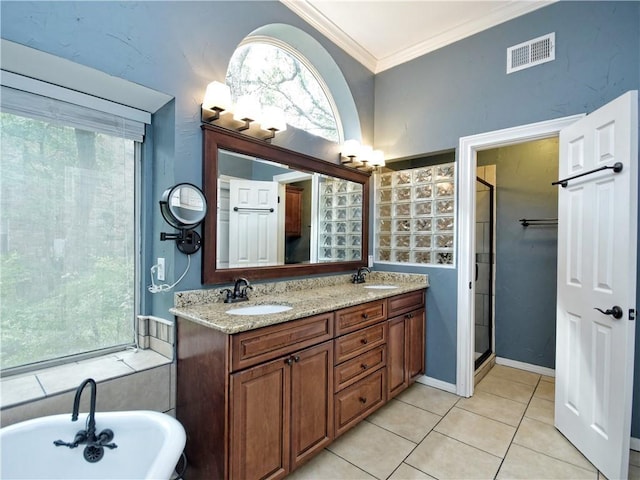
(277, 213)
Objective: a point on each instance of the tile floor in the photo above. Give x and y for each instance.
(504, 431)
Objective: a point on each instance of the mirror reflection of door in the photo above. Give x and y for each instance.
(253, 223)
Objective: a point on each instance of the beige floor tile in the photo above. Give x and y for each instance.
(478, 431)
(546, 378)
(373, 449)
(545, 439)
(515, 375)
(634, 457)
(516, 391)
(328, 465)
(494, 407)
(428, 398)
(546, 390)
(405, 420)
(540, 409)
(522, 463)
(446, 458)
(407, 472)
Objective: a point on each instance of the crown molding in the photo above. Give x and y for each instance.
(316, 19)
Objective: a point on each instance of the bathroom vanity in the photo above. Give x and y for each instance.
(259, 395)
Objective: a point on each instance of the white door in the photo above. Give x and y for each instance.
(597, 269)
(253, 223)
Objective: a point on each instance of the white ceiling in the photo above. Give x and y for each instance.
(381, 34)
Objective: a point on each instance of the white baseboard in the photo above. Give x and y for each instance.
(635, 444)
(435, 383)
(550, 372)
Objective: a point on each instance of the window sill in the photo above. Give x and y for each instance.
(37, 385)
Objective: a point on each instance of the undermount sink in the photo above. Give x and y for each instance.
(381, 287)
(259, 310)
(149, 445)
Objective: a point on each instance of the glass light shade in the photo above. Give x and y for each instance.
(247, 107)
(350, 148)
(365, 153)
(273, 119)
(217, 95)
(377, 158)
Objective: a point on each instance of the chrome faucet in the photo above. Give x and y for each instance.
(359, 276)
(94, 443)
(239, 292)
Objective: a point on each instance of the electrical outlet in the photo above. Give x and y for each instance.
(160, 270)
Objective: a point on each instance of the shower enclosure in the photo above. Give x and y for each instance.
(484, 270)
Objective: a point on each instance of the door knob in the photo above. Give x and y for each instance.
(615, 311)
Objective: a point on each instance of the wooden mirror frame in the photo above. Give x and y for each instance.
(215, 138)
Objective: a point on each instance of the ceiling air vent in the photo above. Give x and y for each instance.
(530, 53)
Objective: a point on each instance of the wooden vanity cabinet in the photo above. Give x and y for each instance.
(280, 413)
(258, 404)
(406, 341)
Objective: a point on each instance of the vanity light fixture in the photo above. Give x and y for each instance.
(245, 116)
(362, 157)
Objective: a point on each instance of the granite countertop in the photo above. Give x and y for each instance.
(306, 297)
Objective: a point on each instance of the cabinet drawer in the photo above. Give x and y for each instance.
(353, 370)
(263, 344)
(353, 318)
(405, 303)
(353, 344)
(359, 400)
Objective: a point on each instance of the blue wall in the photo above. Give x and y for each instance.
(526, 258)
(427, 104)
(176, 48)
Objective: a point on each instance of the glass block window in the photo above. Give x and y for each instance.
(340, 221)
(415, 215)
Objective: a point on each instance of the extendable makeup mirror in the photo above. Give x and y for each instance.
(184, 207)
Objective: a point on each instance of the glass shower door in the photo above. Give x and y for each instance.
(484, 271)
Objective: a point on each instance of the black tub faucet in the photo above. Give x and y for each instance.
(91, 421)
(359, 276)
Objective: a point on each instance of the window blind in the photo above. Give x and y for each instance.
(19, 102)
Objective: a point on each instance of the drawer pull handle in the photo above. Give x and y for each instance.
(365, 315)
(364, 341)
(363, 400)
(364, 366)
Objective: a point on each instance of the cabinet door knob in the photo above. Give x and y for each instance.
(364, 366)
(363, 400)
(364, 341)
(289, 361)
(296, 358)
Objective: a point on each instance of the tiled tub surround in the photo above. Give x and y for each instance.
(142, 379)
(307, 297)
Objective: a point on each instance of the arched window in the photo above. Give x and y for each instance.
(277, 75)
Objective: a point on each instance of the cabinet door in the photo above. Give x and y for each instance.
(293, 211)
(416, 338)
(311, 402)
(397, 378)
(259, 421)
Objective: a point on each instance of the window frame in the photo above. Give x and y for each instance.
(55, 92)
(297, 55)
